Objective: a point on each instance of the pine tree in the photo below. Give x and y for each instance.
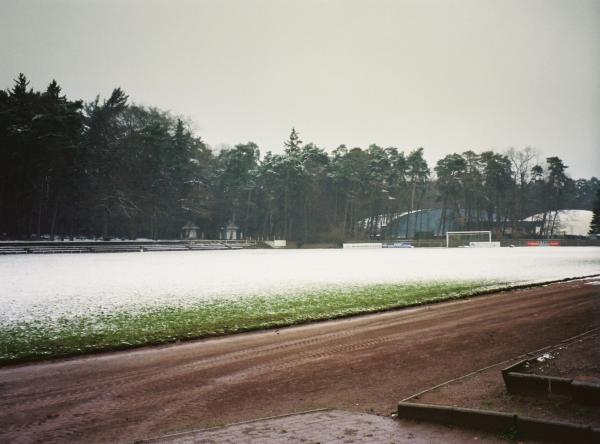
(418, 172)
(293, 143)
(557, 186)
(595, 225)
(21, 84)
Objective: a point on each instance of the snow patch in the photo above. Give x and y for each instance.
(544, 357)
(46, 288)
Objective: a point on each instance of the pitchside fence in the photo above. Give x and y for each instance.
(439, 243)
(125, 246)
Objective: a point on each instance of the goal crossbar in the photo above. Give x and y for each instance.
(448, 233)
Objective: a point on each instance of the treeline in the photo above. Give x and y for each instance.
(111, 168)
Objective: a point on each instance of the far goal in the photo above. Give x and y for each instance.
(469, 239)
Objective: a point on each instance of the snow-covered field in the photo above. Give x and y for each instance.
(66, 285)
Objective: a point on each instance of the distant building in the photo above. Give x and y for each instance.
(561, 223)
(230, 232)
(189, 231)
(433, 222)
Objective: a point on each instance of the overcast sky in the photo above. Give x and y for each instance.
(445, 75)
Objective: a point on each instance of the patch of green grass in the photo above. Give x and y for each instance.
(87, 334)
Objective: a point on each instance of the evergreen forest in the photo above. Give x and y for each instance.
(110, 168)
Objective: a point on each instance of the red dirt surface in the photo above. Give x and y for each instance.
(486, 391)
(366, 363)
(580, 358)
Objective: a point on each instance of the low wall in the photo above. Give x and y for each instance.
(47, 247)
(363, 245)
(484, 244)
(278, 243)
(585, 392)
(524, 427)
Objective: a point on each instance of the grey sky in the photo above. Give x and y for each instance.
(445, 75)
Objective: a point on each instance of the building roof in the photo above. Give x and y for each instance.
(190, 226)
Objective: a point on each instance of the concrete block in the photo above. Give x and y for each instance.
(482, 419)
(514, 368)
(585, 392)
(470, 418)
(524, 384)
(595, 434)
(553, 431)
(526, 428)
(427, 412)
(559, 386)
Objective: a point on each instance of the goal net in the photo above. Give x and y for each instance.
(468, 238)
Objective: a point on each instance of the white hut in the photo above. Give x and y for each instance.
(231, 232)
(189, 231)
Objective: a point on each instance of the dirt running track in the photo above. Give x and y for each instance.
(364, 363)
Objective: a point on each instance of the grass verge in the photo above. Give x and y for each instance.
(28, 341)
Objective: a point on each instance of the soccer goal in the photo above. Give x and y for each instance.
(468, 238)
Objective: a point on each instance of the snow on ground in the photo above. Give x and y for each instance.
(51, 286)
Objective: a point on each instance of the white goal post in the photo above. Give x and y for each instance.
(469, 237)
